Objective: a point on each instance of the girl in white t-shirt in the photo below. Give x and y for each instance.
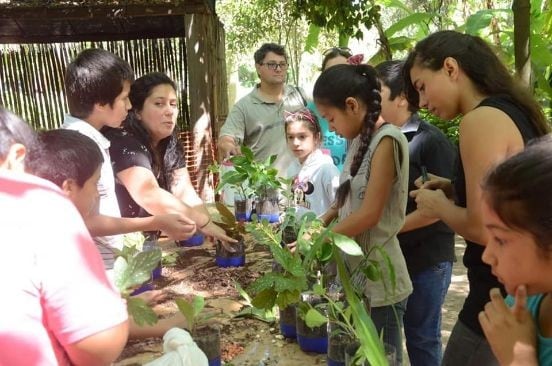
(315, 178)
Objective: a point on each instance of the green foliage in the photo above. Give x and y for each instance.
(266, 315)
(140, 311)
(251, 177)
(131, 269)
(344, 17)
(192, 310)
(231, 226)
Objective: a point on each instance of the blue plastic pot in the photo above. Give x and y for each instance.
(156, 273)
(271, 218)
(215, 362)
(230, 261)
(312, 344)
(148, 286)
(193, 241)
(287, 322)
(331, 362)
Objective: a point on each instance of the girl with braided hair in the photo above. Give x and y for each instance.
(371, 199)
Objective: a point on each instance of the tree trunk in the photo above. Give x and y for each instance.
(522, 33)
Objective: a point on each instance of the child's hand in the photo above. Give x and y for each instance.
(511, 332)
(429, 202)
(435, 182)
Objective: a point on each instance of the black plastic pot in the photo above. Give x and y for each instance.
(224, 258)
(337, 343)
(243, 208)
(207, 339)
(312, 339)
(288, 322)
(193, 241)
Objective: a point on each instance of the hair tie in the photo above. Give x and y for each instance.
(355, 59)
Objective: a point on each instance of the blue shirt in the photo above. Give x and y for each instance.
(544, 343)
(330, 140)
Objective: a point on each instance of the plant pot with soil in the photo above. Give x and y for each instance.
(312, 325)
(234, 229)
(206, 336)
(195, 240)
(243, 207)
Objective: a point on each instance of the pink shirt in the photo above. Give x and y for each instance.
(52, 280)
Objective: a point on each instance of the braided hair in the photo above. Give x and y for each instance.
(332, 88)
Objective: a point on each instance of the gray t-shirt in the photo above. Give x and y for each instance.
(384, 233)
(259, 125)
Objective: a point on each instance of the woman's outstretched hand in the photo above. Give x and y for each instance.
(215, 231)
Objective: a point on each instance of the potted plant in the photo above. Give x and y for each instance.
(234, 229)
(206, 336)
(132, 268)
(193, 241)
(253, 179)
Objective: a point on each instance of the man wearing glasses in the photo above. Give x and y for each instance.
(257, 120)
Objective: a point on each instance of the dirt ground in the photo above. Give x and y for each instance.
(248, 342)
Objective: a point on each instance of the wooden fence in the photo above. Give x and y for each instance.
(31, 75)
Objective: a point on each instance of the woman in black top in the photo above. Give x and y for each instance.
(148, 159)
(453, 74)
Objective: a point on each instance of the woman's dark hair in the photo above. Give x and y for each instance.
(332, 53)
(518, 190)
(480, 64)
(308, 118)
(168, 155)
(333, 87)
(13, 130)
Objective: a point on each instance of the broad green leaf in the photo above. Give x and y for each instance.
(347, 245)
(187, 310)
(371, 271)
(140, 311)
(286, 298)
(312, 38)
(412, 19)
(198, 303)
(314, 318)
(265, 299)
(318, 289)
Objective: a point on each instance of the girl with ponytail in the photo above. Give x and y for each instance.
(371, 199)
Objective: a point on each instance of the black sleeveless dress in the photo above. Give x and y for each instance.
(480, 278)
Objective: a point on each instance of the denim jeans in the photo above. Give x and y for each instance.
(389, 319)
(467, 348)
(422, 320)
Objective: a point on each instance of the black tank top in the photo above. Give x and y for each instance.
(480, 278)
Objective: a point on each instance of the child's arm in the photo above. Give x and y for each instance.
(176, 226)
(99, 349)
(376, 193)
(511, 332)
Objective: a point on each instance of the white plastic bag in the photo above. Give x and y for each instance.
(180, 350)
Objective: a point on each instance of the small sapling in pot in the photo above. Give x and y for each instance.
(206, 336)
(234, 229)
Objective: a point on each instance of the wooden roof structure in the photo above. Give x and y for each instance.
(193, 21)
(45, 21)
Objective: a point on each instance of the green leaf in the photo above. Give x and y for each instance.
(265, 299)
(140, 311)
(264, 315)
(314, 318)
(135, 270)
(478, 21)
(347, 245)
(187, 310)
(371, 271)
(318, 289)
(312, 38)
(413, 19)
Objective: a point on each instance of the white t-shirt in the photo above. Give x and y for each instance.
(318, 170)
(106, 188)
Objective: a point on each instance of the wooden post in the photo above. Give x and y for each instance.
(204, 78)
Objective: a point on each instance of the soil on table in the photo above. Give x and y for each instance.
(244, 341)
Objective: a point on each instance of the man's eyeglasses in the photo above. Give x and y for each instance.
(275, 65)
(343, 51)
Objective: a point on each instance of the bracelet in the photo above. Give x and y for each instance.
(207, 223)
